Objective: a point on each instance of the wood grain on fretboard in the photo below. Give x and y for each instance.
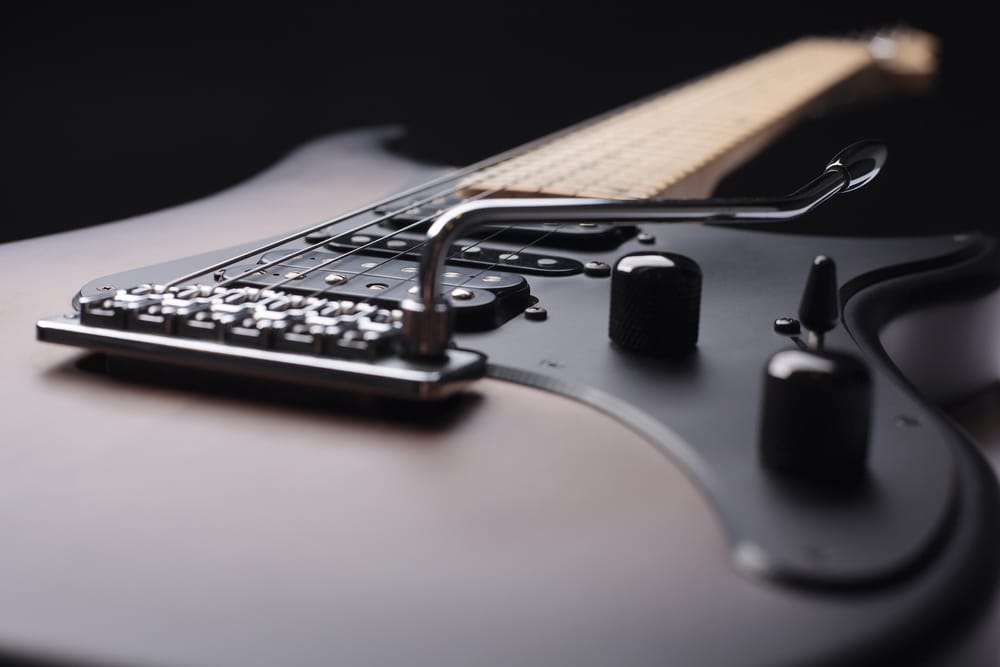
(682, 141)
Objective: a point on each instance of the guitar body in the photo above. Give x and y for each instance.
(568, 511)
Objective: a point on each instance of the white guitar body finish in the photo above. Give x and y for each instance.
(144, 524)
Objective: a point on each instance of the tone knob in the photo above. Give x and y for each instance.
(655, 304)
(815, 415)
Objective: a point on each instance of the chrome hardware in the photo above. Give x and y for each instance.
(427, 329)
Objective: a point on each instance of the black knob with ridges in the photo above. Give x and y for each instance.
(655, 304)
(815, 415)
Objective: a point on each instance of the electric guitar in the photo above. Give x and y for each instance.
(505, 416)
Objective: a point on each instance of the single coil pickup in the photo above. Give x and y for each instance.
(481, 300)
(471, 254)
(569, 236)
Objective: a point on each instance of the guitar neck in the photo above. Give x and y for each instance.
(681, 142)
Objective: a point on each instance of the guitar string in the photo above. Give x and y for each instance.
(256, 269)
(289, 238)
(308, 270)
(464, 248)
(552, 228)
(299, 275)
(461, 250)
(350, 232)
(453, 176)
(260, 268)
(444, 178)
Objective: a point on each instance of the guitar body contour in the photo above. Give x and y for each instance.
(569, 511)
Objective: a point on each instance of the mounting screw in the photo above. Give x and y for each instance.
(646, 239)
(597, 269)
(318, 236)
(535, 313)
(106, 288)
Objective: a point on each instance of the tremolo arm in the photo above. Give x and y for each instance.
(427, 325)
(326, 338)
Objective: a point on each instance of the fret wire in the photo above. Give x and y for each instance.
(703, 108)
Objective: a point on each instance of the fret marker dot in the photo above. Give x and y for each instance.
(492, 279)
(334, 278)
(360, 238)
(377, 286)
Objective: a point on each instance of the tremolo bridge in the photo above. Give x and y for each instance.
(355, 312)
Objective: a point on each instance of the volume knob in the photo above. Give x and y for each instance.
(655, 304)
(815, 415)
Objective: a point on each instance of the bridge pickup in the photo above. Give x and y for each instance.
(481, 300)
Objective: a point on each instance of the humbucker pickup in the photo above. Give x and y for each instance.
(481, 299)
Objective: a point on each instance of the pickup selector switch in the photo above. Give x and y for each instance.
(655, 304)
(816, 407)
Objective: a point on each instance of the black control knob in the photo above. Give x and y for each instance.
(655, 304)
(815, 415)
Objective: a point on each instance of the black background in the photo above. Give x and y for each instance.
(113, 111)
